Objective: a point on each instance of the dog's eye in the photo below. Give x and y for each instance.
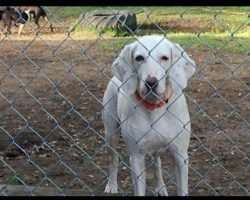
(139, 58)
(165, 58)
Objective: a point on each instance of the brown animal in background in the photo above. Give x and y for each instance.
(36, 12)
(21, 15)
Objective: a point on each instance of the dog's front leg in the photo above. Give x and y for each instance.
(137, 163)
(160, 189)
(181, 172)
(20, 29)
(112, 186)
(112, 139)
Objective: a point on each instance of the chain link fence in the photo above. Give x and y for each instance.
(51, 89)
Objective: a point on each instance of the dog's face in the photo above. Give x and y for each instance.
(151, 65)
(152, 61)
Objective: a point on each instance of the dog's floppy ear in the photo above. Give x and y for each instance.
(123, 69)
(183, 67)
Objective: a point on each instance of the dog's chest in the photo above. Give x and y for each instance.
(151, 132)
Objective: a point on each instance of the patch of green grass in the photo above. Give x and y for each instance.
(198, 10)
(15, 181)
(233, 8)
(207, 21)
(240, 42)
(221, 41)
(107, 31)
(214, 27)
(116, 44)
(115, 33)
(191, 19)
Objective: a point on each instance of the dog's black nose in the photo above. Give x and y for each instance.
(151, 83)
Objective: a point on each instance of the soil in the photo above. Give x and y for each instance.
(51, 131)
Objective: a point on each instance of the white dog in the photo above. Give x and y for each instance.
(144, 100)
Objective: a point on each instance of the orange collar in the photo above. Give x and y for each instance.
(151, 106)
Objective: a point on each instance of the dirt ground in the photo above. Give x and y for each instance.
(51, 131)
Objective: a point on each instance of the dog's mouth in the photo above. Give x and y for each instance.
(153, 93)
(151, 96)
(149, 104)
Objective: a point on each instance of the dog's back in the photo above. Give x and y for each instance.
(35, 10)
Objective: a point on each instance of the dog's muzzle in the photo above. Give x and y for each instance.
(151, 83)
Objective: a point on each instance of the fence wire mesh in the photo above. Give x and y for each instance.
(51, 89)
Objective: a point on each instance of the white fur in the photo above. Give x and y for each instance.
(149, 132)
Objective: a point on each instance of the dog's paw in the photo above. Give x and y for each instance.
(111, 188)
(161, 191)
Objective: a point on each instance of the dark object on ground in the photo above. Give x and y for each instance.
(119, 21)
